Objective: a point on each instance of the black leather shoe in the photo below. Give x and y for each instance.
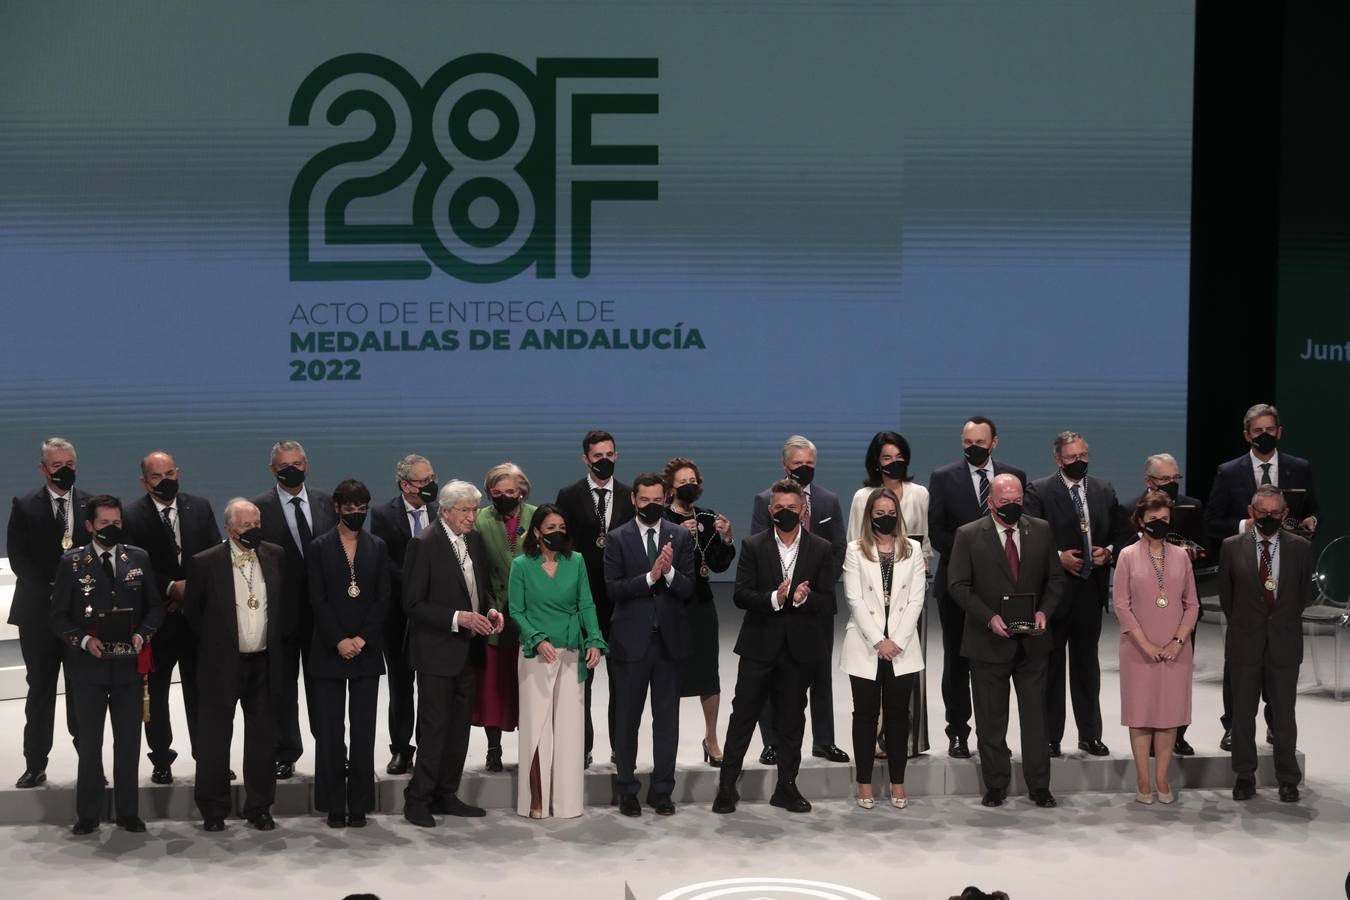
(494, 759)
(399, 763)
(233, 777)
(356, 820)
(786, 796)
(31, 778)
(457, 807)
(337, 820)
(263, 822)
(613, 759)
(419, 816)
(958, 749)
(438, 808)
(285, 771)
(1226, 742)
(768, 756)
(1043, 798)
(589, 760)
(1270, 737)
(1182, 748)
(161, 775)
(213, 825)
(1244, 790)
(629, 806)
(84, 826)
(1094, 747)
(132, 824)
(661, 804)
(994, 797)
(725, 801)
(830, 752)
(1288, 793)
(1055, 752)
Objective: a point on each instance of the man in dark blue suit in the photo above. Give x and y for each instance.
(649, 577)
(822, 517)
(958, 494)
(1230, 496)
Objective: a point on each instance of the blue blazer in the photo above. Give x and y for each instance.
(338, 616)
(641, 611)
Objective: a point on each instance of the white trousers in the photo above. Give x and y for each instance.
(552, 723)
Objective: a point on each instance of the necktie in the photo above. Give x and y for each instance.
(168, 526)
(984, 488)
(417, 522)
(108, 566)
(1265, 473)
(806, 511)
(600, 506)
(651, 546)
(61, 516)
(1010, 549)
(1267, 595)
(1087, 535)
(302, 525)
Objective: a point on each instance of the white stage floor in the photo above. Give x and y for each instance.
(1093, 845)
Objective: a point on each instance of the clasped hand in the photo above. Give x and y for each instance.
(798, 596)
(664, 561)
(492, 623)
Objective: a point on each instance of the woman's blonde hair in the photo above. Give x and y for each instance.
(867, 543)
(503, 470)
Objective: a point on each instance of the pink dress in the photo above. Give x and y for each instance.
(1154, 694)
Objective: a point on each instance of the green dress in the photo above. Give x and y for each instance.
(558, 609)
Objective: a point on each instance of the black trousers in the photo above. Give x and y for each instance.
(174, 645)
(215, 732)
(955, 669)
(785, 680)
(1279, 685)
(42, 654)
(446, 706)
(290, 743)
(821, 674)
(890, 693)
(1226, 720)
(1078, 631)
(402, 708)
(94, 704)
(629, 682)
(989, 682)
(352, 792)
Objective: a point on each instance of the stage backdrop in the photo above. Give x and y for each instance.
(475, 230)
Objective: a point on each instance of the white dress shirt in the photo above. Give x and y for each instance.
(252, 622)
(69, 497)
(289, 511)
(643, 528)
(609, 500)
(787, 558)
(461, 549)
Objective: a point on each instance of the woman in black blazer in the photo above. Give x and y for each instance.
(349, 593)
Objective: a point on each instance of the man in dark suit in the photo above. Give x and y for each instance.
(106, 577)
(649, 577)
(292, 515)
(172, 527)
(1235, 481)
(1265, 583)
(1088, 525)
(445, 588)
(822, 517)
(783, 584)
(593, 507)
(396, 523)
(42, 526)
(958, 493)
(1161, 473)
(233, 602)
(1000, 554)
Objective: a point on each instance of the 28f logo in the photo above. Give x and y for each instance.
(472, 157)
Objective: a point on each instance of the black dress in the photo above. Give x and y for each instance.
(698, 672)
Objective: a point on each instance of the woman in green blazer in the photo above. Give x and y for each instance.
(560, 640)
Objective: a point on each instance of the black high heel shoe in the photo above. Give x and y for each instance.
(714, 761)
(494, 759)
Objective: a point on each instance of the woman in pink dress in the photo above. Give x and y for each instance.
(1157, 605)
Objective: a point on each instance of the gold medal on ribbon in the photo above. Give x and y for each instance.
(353, 590)
(252, 602)
(88, 611)
(1161, 601)
(600, 542)
(1082, 526)
(1270, 584)
(66, 542)
(704, 571)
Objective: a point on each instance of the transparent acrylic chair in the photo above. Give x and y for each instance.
(1329, 616)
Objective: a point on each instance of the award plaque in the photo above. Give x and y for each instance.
(1019, 614)
(114, 628)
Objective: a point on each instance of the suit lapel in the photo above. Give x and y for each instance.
(997, 533)
(447, 553)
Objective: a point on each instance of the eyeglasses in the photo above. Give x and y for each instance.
(464, 510)
(1166, 479)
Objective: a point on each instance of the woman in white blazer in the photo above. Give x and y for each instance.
(884, 580)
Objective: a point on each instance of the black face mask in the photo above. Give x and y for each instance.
(554, 540)
(884, 524)
(1265, 442)
(250, 538)
(1268, 525)
(505, 506)
(291, 477)
(977, 455)
(109, 535)
(603, 469)
(688, 493)
(354, 521)
(803, 475)
(63, 478)
(1009, 513)
(785, 520)
(428, 492)
(1075, 470)
(1157, 528)
(897, 470)
(651, 513)
(1170, 488)
(166, 490)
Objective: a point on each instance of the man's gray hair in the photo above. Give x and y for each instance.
(286, 447)
(458, 492)
(797, 442)
(54, 443)
(403, 471)
(1270, 490)
(1158, 458)
(1256, 412)
(236, 503)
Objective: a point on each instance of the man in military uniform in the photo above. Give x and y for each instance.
(91, 581)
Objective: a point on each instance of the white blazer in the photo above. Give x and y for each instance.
(867, 612)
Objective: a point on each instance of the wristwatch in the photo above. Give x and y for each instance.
(1180, 641)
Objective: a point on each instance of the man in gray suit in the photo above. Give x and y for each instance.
(1265, 582)
(996, 555)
